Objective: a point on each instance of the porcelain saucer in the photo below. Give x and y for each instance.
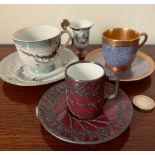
(142, 66)
(58, 121)
(13, 71)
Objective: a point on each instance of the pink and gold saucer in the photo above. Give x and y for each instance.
(58, 121)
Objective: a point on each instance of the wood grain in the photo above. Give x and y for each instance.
(21, 130)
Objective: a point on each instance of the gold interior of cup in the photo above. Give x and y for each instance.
(121, 34)
(121, 37)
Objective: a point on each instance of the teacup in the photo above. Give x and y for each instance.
(38, 45)
(85, 94)
(120, 46)
(81, 31)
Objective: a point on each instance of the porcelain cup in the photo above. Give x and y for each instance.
(80, 34)
(81, 30)
(120, 46)
(85, 83)
(38, 45)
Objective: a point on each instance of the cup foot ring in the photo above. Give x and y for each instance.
(117, 69)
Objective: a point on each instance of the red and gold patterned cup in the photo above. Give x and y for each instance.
(85, 83)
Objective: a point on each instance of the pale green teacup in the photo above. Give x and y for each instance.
(38, 45)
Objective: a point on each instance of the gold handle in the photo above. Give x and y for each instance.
(145, 39)
(64, 24)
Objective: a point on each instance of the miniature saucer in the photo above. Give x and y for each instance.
(13, 71)
(58, 121)
(142, 66)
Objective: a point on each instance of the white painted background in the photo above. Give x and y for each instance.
(139, 17)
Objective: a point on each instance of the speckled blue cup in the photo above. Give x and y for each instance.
(120, 46)
(38, 45)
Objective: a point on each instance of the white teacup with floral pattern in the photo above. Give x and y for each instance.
(38, 45)
(80, 37)
(81, 32)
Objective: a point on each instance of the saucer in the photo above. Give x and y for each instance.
(12, 69)
(142, 66)
(58, 121)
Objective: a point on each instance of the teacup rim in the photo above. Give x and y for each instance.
(117, 40)
(81, 20)
(35, 26)
(85, 81)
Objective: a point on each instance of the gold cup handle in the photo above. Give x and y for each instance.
(64, 24)
(145, 38)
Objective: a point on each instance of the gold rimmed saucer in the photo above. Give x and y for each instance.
(142, 66)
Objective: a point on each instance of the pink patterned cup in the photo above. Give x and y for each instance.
(85, 83)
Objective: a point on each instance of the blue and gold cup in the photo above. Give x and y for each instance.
(120, 46)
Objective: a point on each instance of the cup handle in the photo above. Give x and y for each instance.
(69, 39)
(145, 38)
(64, 45)
(64, 25)
(115, 93)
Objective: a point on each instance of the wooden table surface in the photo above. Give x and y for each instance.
(21, 130)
